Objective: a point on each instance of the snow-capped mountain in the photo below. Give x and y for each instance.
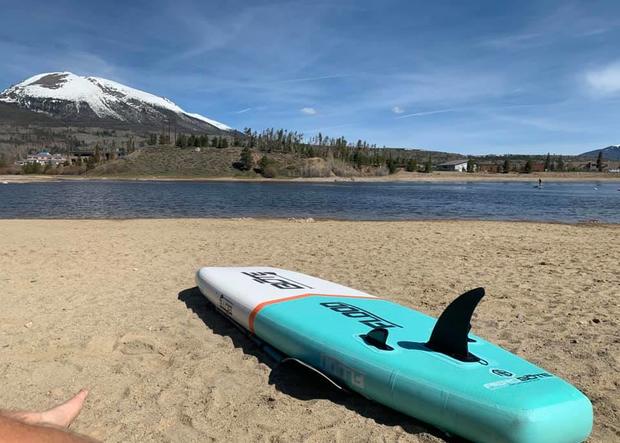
(97, 101)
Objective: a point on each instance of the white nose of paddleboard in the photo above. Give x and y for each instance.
(240, 291)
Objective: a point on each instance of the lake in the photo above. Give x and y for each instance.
(557, 201)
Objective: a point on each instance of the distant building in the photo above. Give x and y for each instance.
(491, 167)
(455, 165)
(43, 158)
(591, 166)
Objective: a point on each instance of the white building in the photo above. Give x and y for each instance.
(455, 165)
(43, 158)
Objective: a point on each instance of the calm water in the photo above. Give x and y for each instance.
(564, 202)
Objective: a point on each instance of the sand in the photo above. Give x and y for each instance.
(110, 305)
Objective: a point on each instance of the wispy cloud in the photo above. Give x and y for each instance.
(397, 110)
(420, 114)
(308, 111)
(605, 80)
(243, 111)
(311, 79)
(519, 40)
(569, 20)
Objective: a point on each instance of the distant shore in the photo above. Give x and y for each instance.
(400, 176)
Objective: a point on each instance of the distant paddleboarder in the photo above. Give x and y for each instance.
(540, 182)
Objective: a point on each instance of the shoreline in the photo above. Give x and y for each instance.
(304, 220)
(399, 177)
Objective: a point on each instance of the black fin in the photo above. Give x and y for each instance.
(449, 335)
(377, 338)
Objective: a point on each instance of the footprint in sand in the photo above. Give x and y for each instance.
(133, 344)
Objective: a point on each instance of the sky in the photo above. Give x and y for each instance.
(474, 77)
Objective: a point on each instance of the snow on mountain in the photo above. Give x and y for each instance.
(105, 98)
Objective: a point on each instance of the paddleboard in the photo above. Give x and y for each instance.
(432, 369)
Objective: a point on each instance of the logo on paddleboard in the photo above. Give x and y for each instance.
(511, 380)
(275, 280)
(225, 305)
(362, 315)
(340, 371)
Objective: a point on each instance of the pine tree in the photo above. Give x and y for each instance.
(391, 165)
(506, 167)
(560, 165)
(97, 154)
(246, 161)
(471, 166)
(428, 167)
(528, 166)
(599, 161)
(412, 165)
(181, 141)
(548, 162)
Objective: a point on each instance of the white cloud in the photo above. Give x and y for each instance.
(308, 111)
(397, 110)
(605, 80)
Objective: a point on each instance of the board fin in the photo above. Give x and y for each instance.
(377, 337)
(449, 335)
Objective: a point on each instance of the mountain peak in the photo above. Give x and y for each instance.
(73, 97)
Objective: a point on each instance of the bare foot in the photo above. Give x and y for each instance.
(64, 414)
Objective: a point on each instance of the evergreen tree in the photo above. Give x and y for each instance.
(506, 167)
(267, 167)
(428, 167)
(471, 166)
(97, 154)
(599, 161)
(560, 165)
(548, 162)
(412, 165)
(181, 141)
(528, 166)
(224, 142)
(246, 161)
(152, 139)
(391, 165)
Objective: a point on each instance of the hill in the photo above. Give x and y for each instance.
(173, 161)
(609, 153)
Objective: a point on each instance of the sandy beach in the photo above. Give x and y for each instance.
(111, 305)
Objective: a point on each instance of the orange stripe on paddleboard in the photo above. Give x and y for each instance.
(260, 306)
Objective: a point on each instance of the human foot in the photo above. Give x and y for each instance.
(64, 414)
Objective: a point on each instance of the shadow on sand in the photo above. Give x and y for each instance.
(299, 382)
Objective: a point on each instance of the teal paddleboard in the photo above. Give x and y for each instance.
(433, 370)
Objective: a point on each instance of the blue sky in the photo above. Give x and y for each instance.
(462, 76)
